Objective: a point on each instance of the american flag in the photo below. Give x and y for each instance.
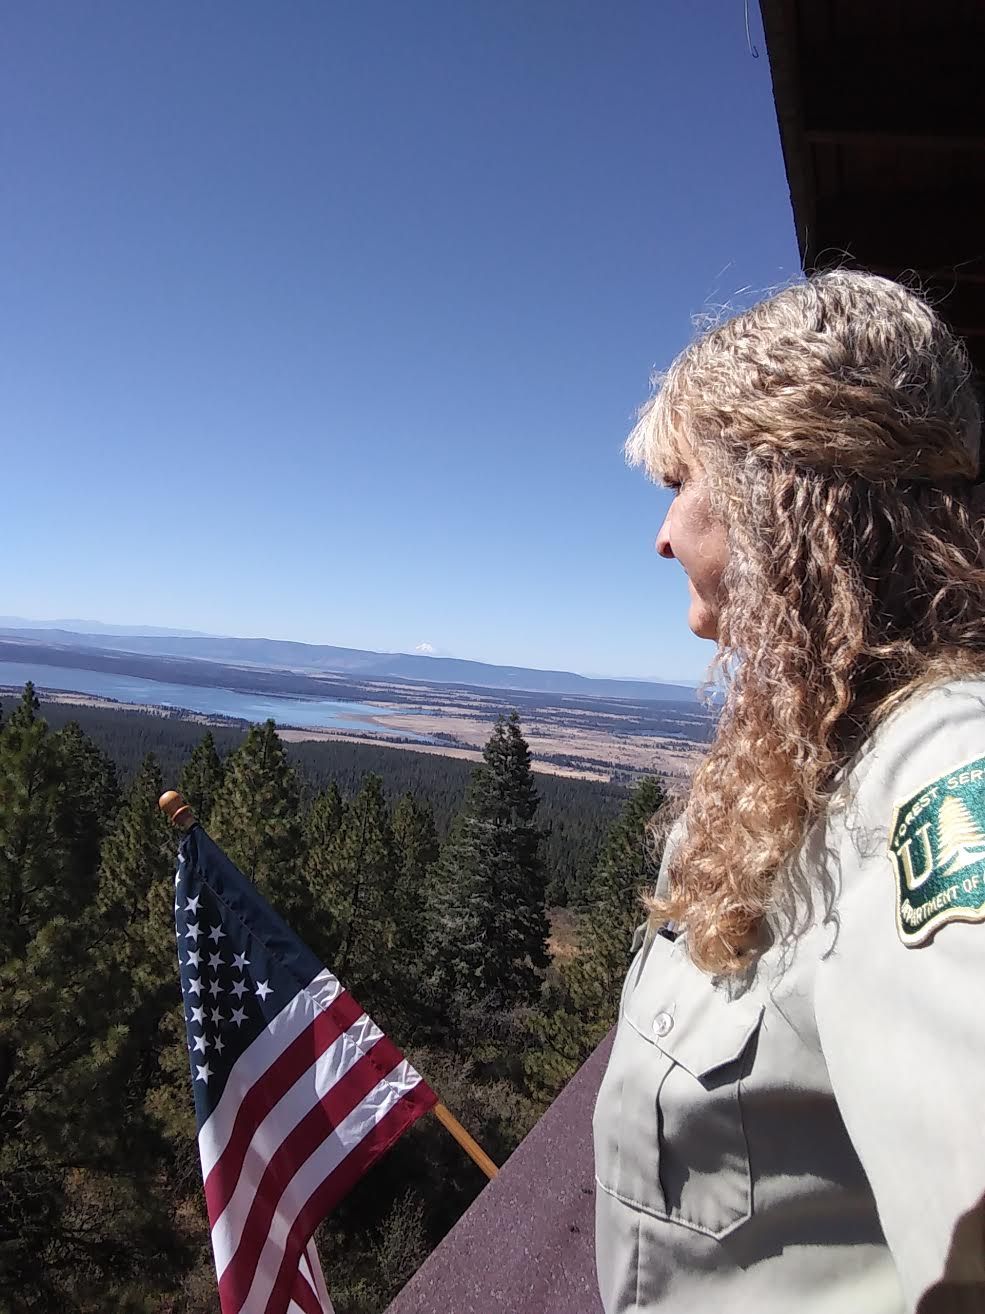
(297, 1091)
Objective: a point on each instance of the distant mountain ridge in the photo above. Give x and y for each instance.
(282, 654)
(87, 627)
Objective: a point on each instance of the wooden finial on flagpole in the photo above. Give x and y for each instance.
(471, 1147)
(176, 810)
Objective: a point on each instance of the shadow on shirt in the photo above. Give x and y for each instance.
(962, 1290)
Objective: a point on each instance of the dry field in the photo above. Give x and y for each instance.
(587, 742)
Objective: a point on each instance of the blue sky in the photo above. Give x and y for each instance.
(326, 320)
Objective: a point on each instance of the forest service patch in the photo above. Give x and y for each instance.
(937, 845)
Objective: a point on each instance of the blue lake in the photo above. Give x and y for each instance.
(309, 713)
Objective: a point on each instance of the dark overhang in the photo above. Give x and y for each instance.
(881, 109)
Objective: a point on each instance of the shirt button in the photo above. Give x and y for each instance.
(662, 1024)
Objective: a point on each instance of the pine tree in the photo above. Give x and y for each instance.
(77, 1216)
(320, 927)
(610, 908)
(136, 900)
(359, 879)
(581, 1000)
(416, 838)
(487, 921)
(35, 830)
(92, 800)
(136, 892)
(201, 780)
(256, 820)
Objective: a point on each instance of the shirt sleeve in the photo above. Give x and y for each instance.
(900, 997)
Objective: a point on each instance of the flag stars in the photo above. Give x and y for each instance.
(192, 904)
(263, 990)
(194, 958)
(200, 1043)
(215, 989)
(216, 1016)
(239, 1016)
(195, 986)
(216, 934)
(239, 989)
(203, 1073)
(198, 1015)
(240, 962)
(215, 961)
(219, 1044)
(193, 932)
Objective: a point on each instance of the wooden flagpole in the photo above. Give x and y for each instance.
(180, 814)
(471, 1147)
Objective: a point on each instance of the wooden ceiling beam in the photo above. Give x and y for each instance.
(891, 138)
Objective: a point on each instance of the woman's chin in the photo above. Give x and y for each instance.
(701, 620)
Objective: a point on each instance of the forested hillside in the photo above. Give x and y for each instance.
(575, 813)
(442, 933)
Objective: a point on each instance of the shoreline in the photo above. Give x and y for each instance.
(383, 737)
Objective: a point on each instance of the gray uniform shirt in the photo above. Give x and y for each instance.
(813, 1138)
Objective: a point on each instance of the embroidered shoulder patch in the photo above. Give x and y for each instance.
(937, 846)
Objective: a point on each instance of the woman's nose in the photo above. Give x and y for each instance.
(662, 543)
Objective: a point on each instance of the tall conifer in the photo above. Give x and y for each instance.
(77, 1217)
(256, 819)
(321, 927)
(92, 800)
(202, 778)
(359, 885)
(416, 838)
(136, 893)
(35, 829)
(487, 921)
(581, 1001)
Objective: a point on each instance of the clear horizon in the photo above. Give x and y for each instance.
(104, 626)
(328, 323)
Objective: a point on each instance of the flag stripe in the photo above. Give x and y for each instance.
(285, 1116)
(310, 1257)
(287, 1069)
(303, 1295)
(329, 1191)
(328, 1118)
(335, 1152)
(291, 1021)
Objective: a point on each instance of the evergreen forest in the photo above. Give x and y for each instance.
(481, 914)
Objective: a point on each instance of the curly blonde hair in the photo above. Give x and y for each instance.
(838, 431)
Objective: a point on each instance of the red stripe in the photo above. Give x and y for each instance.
(304, 1296)
(297, 1147)
(280, 1076)
(334, 1187)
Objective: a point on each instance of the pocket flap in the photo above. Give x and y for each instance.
(696, 1025)
(703, 1044)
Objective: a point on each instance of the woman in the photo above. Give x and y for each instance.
(793, 1116)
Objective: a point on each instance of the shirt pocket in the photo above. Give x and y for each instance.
(669, 1118)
